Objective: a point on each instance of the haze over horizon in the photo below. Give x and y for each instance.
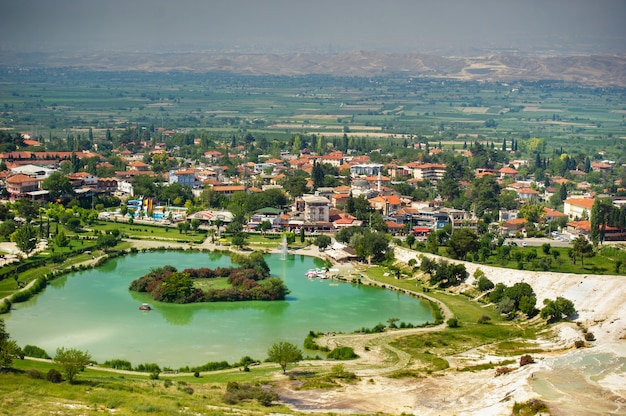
(451, 27)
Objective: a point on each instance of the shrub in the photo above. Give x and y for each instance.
(453, 322)
(33, 373)
(525, 360)
(167, 383)
(503, 370)
(343, 353)
(236, 392)
(484, 284)
(531, 407)
(339, 371)
(196, 374)
(579, 343)
(484, 319)
(589, 336)
(54, 376)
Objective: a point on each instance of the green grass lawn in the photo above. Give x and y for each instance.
(429, 348)
(150, 231)
(214, 283)
(97, 391)
(463, 308)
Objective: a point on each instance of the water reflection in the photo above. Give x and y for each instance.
(182, 314)
(59, 282)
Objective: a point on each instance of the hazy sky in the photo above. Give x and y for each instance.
(445, 26)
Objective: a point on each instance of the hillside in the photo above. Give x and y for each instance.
(592, 70)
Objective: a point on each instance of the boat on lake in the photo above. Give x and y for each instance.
(145, 307)
(313, 273)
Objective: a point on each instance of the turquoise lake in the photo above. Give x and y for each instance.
(94, 311)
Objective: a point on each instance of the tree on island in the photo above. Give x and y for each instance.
(251, 281)
(284, 353)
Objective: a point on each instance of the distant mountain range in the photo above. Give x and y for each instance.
(600, 70)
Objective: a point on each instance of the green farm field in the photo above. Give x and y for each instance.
(56, 102)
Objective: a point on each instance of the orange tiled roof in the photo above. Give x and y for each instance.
(19, 178)
(580, 202)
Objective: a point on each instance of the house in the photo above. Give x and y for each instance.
(270, 214)
(107, 185)
(138, 166)
(393, 228)
(507, 172)
(19, 185)
(552, 215)
(527, 194)
(346, 221)
(213, 155)
(601, 167)
(333, 158)
(339, 199)
(316, 208)
(386, 204)
(83, 178)
(184, 177)
(367, 169)
(421, 233)
(514, 224)
(228, 190)
(577, 208)
(432, 172)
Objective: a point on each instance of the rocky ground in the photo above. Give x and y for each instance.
(598, 373)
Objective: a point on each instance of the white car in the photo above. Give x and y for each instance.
(524, 243)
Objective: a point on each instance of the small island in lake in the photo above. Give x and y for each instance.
(250, 281)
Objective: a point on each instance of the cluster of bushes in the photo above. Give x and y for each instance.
(443, 273)
(482, 282)
(236, 393)
(310, 344)
(153, 368)
(503, 370)
(245, 362)
(509, 300)
(343, 353)
(555, 310)
(53, 376)
(525, 360)
(531, 407)
(376, 329)
(119, 364)
(166, 284)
